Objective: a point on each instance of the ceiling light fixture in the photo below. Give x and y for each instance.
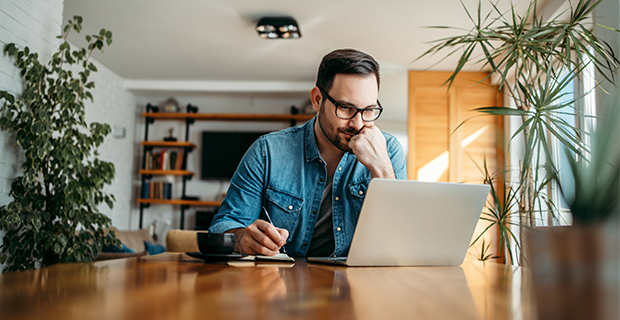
(278, 28)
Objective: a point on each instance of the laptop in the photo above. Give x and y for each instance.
(413, 223)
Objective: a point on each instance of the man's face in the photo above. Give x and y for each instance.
(355, 90)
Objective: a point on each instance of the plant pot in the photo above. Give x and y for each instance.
(574, 271)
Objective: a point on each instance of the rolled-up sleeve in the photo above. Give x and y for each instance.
(398, 157)
(243, 200)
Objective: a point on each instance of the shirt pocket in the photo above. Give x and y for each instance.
(358, 194)
(284, 208)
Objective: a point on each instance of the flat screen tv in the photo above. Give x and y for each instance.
(222, 152)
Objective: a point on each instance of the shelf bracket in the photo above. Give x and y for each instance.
(183, 208)
(142, 206)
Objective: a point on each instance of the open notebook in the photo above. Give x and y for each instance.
(281, 257)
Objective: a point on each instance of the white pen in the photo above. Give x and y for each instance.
(269, 218)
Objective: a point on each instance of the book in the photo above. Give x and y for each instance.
(148, 163)
(179, 162)
(145, 190)
(173, 160)
(280, 257)
(164, 160)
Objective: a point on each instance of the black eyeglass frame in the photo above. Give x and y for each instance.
(357, 110)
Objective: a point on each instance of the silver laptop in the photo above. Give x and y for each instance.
(412, 223)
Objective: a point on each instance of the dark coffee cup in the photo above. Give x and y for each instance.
(216, 243)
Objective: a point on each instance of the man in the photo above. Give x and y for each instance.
(312, 179)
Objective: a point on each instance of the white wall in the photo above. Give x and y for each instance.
(36, 23)
(115, 106)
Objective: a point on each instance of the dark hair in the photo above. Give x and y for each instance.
(345, 61)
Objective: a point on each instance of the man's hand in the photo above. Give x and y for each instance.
(371, 150)
(261, 237)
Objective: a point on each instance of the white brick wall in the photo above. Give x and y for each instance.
(36, 23)
(117, 107)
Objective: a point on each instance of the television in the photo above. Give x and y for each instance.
(222, 152)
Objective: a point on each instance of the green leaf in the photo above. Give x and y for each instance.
(502, 111)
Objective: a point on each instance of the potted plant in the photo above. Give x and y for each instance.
(575, 268)
(535, 62)
(54, 214)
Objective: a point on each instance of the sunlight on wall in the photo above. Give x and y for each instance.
(433, 170)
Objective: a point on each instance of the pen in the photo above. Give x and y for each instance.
(269, 218)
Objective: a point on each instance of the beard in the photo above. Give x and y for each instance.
(332, 133)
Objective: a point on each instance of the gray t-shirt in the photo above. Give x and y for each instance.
(322, 243)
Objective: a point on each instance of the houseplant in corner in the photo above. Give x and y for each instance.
(536, 62)
(54, 215)
(575, 269)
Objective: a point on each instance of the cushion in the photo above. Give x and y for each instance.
(134, 239)
(153, 248)
(182, 241)
(113, 248)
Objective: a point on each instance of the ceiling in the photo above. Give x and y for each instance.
(214, 40)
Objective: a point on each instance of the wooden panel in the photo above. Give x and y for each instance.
(487, 130)
(430, 119)
(169, 144)
(229, 116)
(438, 79)
(182, 202)
(167, 172)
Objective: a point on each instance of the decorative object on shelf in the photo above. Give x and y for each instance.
(151, 108)
(54, 216)
(170, 136)
(171, 105)
(278, 28)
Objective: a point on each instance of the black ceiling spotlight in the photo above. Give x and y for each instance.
(278, 27)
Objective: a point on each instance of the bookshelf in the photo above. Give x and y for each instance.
(148, 171)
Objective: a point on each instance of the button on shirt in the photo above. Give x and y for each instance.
(284, 172)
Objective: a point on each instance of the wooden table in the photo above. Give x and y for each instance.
(176, 286)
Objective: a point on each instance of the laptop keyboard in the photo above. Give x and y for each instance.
(336, 258)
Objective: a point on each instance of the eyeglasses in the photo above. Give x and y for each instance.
(345, 111)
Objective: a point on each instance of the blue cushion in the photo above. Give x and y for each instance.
(153, 248)
(113, 248)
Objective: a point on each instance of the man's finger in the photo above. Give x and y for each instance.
(258, 232)
(272, 232)
(259, 248)
(283, 233)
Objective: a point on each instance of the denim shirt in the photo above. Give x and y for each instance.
(284, 172)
